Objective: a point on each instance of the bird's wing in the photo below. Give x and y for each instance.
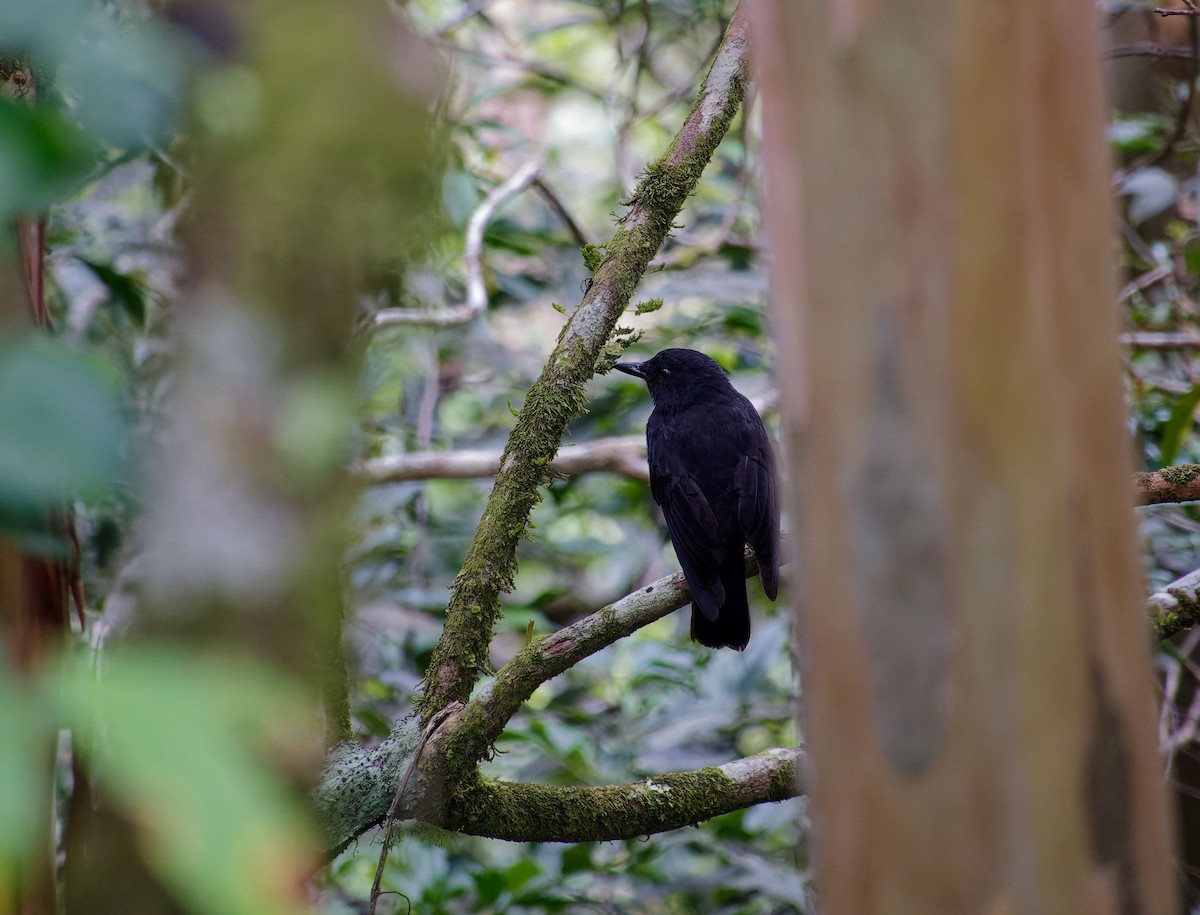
(693, 527)
(758, 499)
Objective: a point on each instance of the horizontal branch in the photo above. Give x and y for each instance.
(1160, 341)
(556, 813)
(357, 785)
(624, 455)
(1145, 49)
(1180, 483)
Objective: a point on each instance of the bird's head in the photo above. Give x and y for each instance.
(674, 374)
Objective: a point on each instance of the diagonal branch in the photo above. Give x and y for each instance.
(557, 396)
(488, 713)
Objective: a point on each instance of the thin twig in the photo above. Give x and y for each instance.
(1185, 109)
(1191, 10)
(476, 302)
(556, 204)
(470, 11)
(390, 820)
(532, 67)
(1146, 49)
(624, 455)
(1147, 279)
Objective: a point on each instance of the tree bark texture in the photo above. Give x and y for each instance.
(979, 705)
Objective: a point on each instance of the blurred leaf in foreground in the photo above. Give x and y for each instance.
(62, 430)
(180, 742)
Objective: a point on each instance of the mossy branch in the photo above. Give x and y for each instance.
(1176, 607)
(556, 813)
(544, 813)
(557, 396)
(1180, 483)
(487, 714)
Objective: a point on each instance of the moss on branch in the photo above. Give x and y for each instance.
(555, 813)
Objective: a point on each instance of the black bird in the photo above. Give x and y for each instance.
(713, 473)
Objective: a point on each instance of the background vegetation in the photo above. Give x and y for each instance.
(590, 93)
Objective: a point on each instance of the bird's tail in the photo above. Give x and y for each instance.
(731, 627)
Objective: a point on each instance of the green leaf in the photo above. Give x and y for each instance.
(521, 873)
(592, 256)
(26, 754)
(1178, 425)
(43, 157)
(62, 426)
(177, 740)
(577, 858)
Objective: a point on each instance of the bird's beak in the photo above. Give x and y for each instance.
(636, 369)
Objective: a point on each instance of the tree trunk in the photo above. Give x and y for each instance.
(978, 698)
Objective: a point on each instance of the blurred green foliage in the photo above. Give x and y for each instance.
(594, 91)
(63, 434)
(43, 157)
(183, 743)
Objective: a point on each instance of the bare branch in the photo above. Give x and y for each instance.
(561, 210)
(1147, 279)
(1145, 49)
(1180, 483)
(624, 455)
(491, 710)
(1160, 341)
(389, 821)
(476, 302)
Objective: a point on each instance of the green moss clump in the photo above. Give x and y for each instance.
(1180, 475)
(593, 255)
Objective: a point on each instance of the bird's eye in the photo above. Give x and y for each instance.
(665, 371)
